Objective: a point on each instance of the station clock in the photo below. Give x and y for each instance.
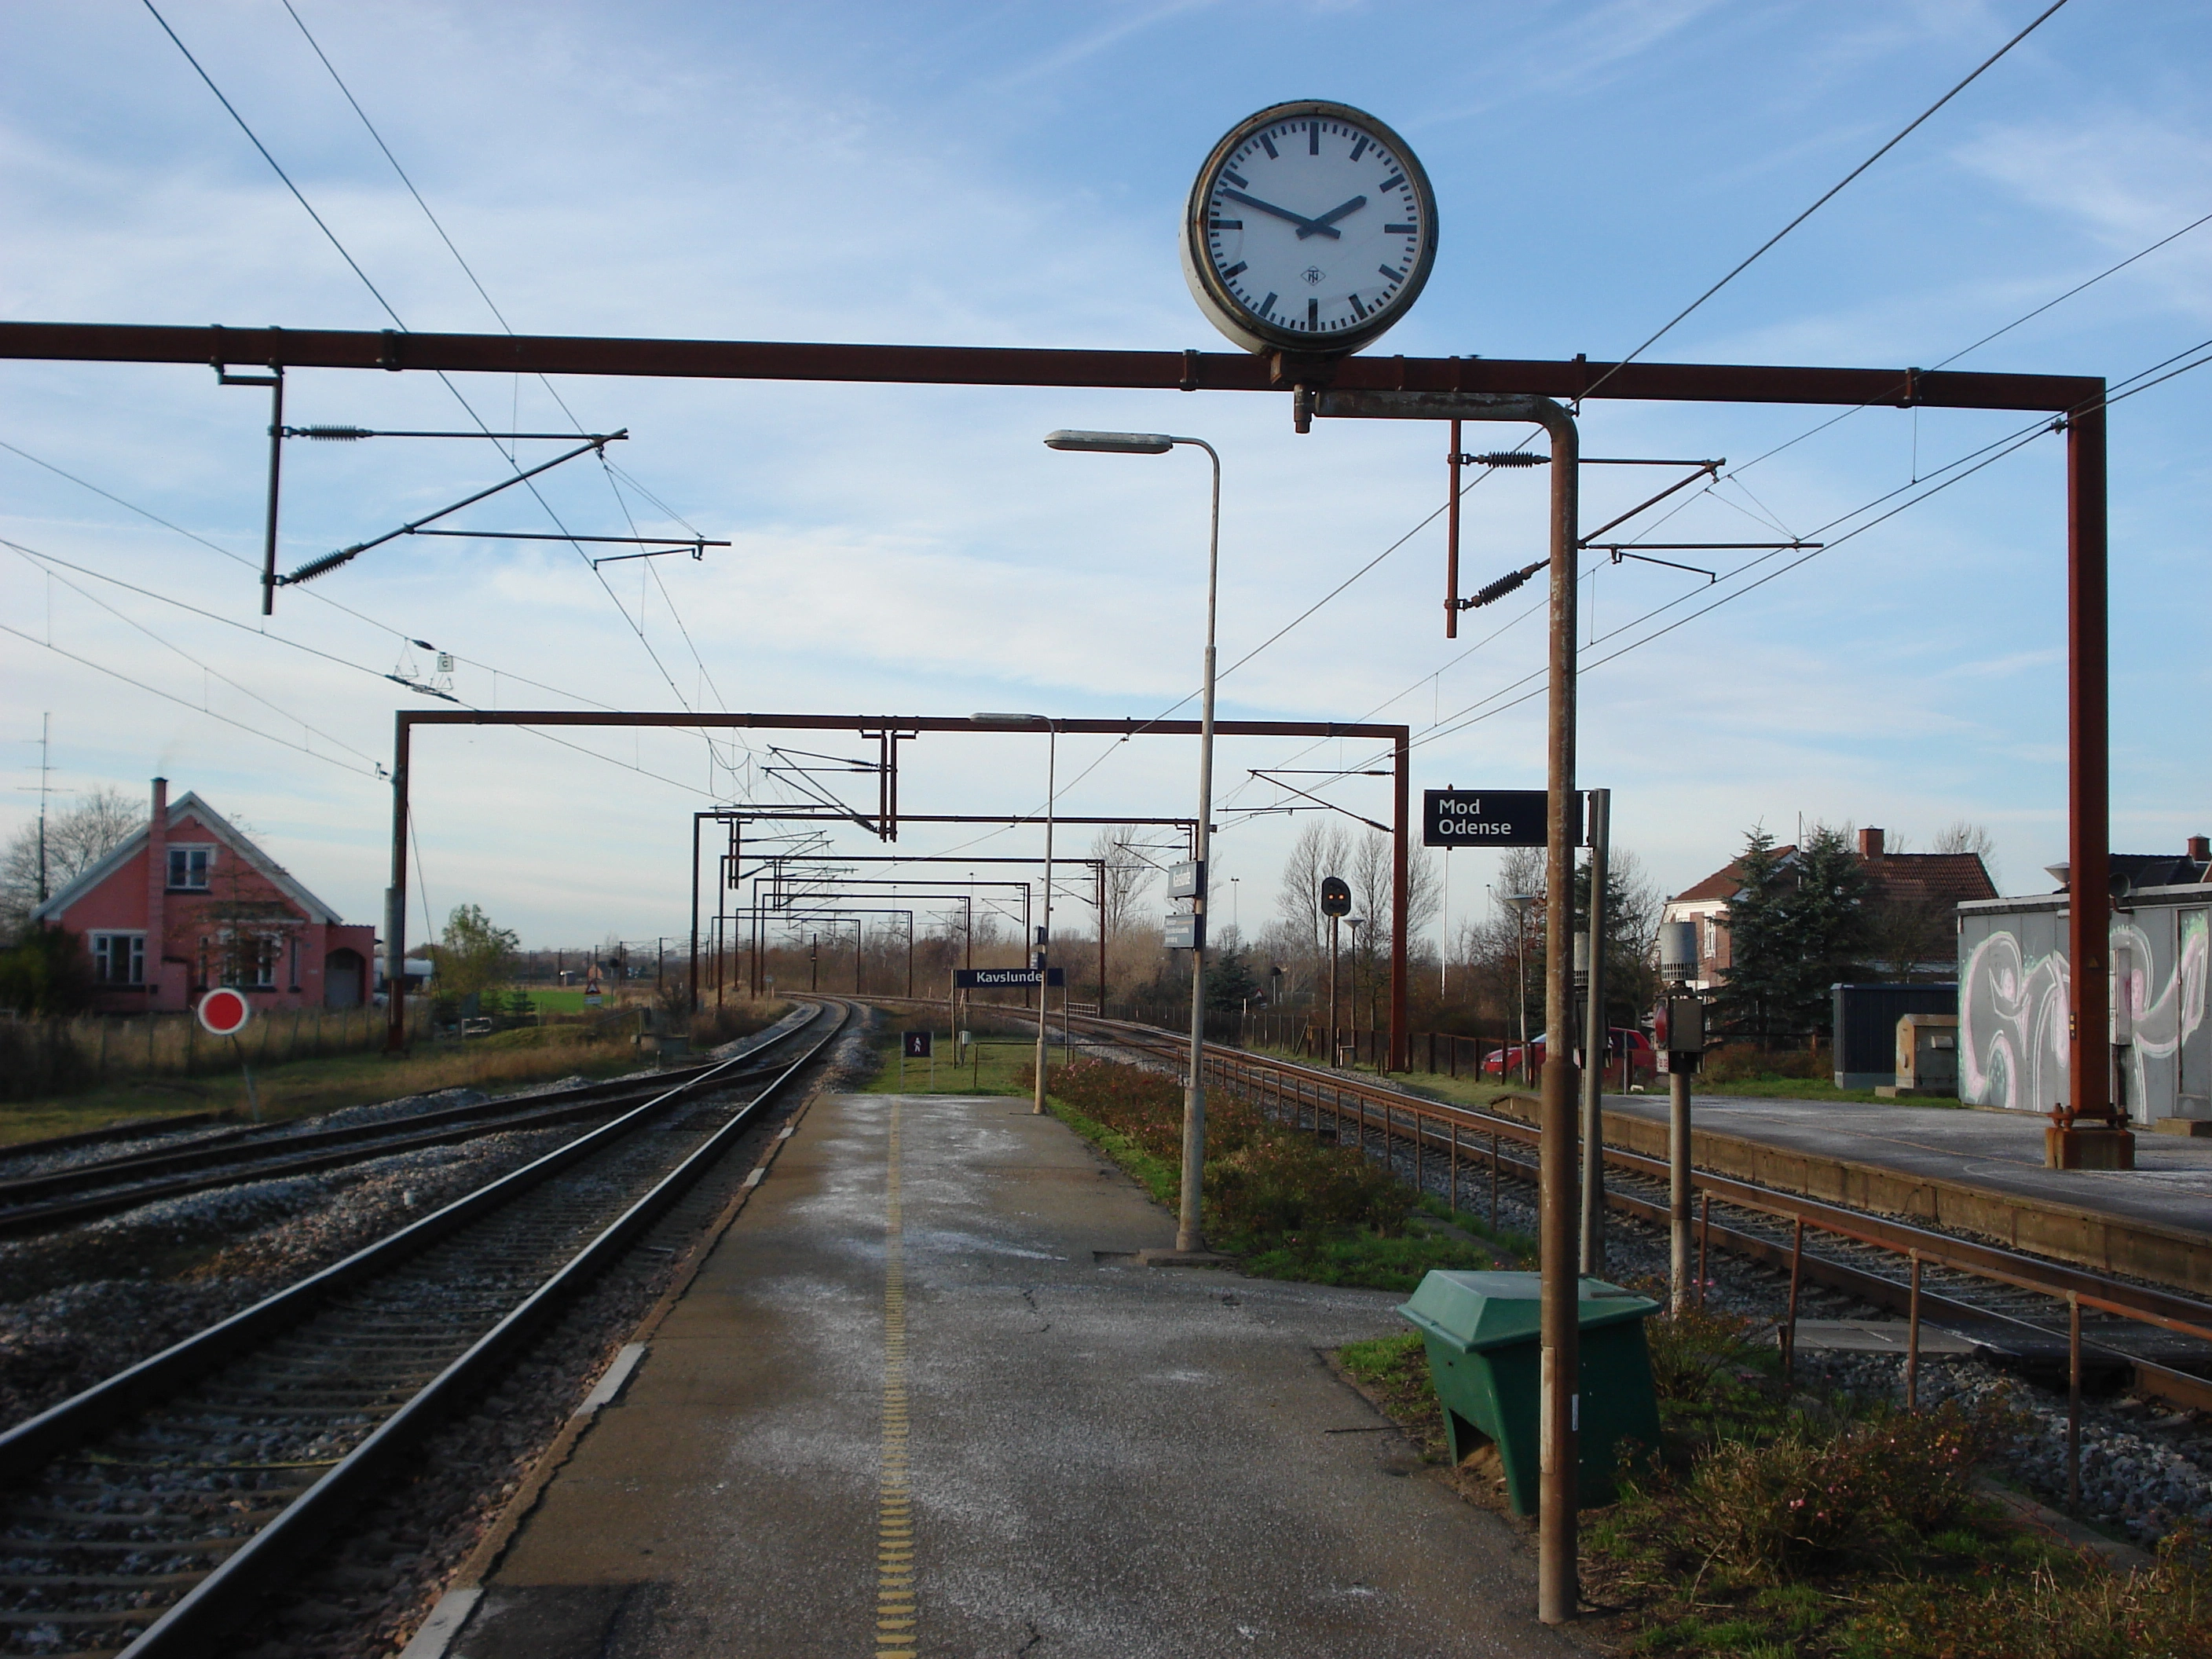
(1311, 228)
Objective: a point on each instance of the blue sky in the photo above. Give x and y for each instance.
(1012, 175)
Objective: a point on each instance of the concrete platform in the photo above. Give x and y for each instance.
(908, 1408)
(1980, 1171)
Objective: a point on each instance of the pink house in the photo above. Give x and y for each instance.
(189, 904)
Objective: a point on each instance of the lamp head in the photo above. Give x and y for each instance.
(1111, 443)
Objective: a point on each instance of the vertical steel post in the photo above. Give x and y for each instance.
(1189, 1224)
(1678, 1180)
(1451, 544)
(2074, 1402)
(692, 969)
(395, 948)
(1044, 949)
(1796, 1277)
(2088, 830)
(1912, 1339)
(1704, 1244)
(1596, 1036)
(1400, 1057)
(276, 463)
(1558, 1586)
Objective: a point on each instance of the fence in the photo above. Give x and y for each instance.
(1441, 1054)
(41, 1057)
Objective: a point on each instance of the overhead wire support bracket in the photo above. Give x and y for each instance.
(329, 562)
(658, 546)
(355, 434)
(1621, 550)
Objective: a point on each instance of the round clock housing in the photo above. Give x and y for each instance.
(1311, 228)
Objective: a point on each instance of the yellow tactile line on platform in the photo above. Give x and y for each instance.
(895, 1599)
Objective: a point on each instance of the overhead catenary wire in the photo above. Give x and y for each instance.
(377, 294)
(171, 697)
(37, 562)
(1825, 197)
(377, 137)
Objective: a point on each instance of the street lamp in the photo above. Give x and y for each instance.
(1521, 903)
(1189, 1232)
(1044, 933)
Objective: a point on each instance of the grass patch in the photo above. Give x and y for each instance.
(1799, 1088)
(303, 1088)
(1775, 1529)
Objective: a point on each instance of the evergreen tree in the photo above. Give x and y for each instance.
(1796, 926)
(1827, 924)
(1229, 980)
(1757, 988)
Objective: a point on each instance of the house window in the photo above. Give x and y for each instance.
(118, 958)
(188, 869)
(261, 974)
(1712, 938)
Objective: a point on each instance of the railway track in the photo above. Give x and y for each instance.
(148, 1515)
(54, 1199)
(2025, 1307)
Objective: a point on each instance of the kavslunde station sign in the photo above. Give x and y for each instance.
(992, 979)
(1488, 818)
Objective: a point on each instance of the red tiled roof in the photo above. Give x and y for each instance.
(1944, 878)
(1722, 883)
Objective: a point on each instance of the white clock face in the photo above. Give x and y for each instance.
(1311, 228)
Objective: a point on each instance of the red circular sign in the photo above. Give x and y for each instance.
(225, 1011)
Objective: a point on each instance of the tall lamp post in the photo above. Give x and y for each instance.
(1190, 1229)
(1041, 951)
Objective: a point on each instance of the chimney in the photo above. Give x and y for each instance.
(157, 881)
(2200, 849)
(1870, 845)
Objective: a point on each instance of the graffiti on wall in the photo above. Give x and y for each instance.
(2013, 1014)
(2012, 1027)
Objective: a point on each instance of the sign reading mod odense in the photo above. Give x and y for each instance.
(988, 979)
(1488, 818)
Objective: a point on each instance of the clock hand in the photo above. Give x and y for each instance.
(1307, 226)
(1322, 225)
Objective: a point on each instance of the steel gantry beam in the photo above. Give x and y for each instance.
(2077, 401)
(1400, 737)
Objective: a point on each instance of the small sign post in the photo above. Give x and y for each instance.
(918, 1045)
(224, 1011)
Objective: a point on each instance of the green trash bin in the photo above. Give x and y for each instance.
(1484, 1335)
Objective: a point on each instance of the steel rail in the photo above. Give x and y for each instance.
(1432, 1122)
(21, 1212)
(196, 1623)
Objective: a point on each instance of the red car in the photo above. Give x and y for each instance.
(1642, 1059)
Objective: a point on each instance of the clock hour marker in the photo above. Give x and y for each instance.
(1395, 275)
(1391, 183)
(1313, 313)
(1237, 224)
(1232, 271)
(1268, 306)
(1313, 137)
(1268, 145)
(1359, 147)
(1358, 309)
(1234, 179)
(1391, 230)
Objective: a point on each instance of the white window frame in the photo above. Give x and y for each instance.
(206, 855)
(104, 944)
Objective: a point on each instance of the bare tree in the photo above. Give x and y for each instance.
(76, 839)
(1322, 850)
(1963, 836)
(1129, 871)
